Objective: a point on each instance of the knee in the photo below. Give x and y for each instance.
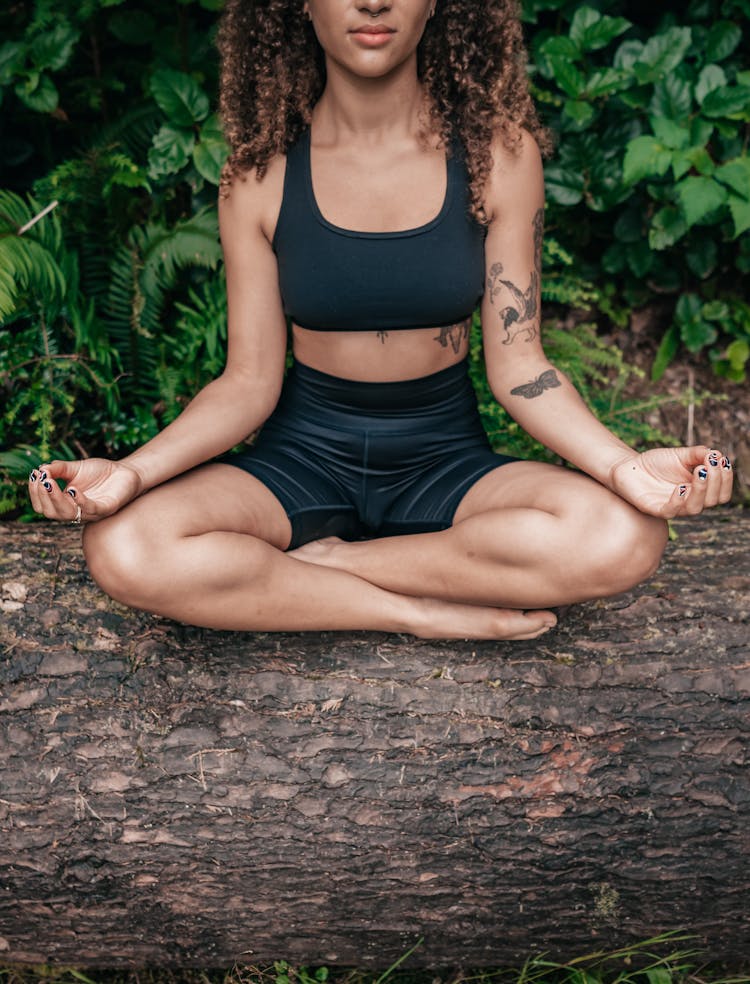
(629, 548)
(122, 558)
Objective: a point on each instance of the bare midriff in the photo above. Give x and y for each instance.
(382, 357)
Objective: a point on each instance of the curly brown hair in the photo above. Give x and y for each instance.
(471, 62)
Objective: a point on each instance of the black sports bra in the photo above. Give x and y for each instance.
(335, 279)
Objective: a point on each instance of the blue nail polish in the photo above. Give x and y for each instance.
(702, 474)
(683, 490)
(33, 476)
(71, 493)
(727, 464)
(48, 486)
(713, 462)
(44, 475)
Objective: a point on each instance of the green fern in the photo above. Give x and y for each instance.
(30, 262)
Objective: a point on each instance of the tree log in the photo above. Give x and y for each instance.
(178, 796)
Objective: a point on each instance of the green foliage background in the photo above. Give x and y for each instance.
(112, 307)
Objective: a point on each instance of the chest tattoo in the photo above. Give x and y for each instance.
(521, 311)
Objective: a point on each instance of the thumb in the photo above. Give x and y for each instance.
(65, 470)
(693, 456)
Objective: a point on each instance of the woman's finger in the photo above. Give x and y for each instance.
(35, 486)
(727, 480)
(56, 504)
(677, 502)
(696, 501)
(712, 465)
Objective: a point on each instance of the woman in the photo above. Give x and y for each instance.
(386, 173)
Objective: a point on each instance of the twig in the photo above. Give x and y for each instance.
(33, 222)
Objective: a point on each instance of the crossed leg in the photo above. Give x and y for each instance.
(207, 548)
(527, 535)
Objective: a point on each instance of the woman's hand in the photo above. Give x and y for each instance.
(98, 486)
(670, 482)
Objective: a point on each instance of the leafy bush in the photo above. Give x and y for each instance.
(112, 307)
(653, 124)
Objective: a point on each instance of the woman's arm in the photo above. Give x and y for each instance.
(227, 409)
(539, 396)
(232, 406)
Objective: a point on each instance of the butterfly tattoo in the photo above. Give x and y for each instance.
(547, 381)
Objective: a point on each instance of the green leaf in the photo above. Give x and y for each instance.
(740, 209)
(716, 311)
(627, 55)
(672, 98)
(700, 197)
(702, 257)
(39, 93)
(735, 174)
(559, 46)
(662, 54)
(711, 77)
(667, 227)
(52, 50)
(697, 334)
(723, 38)
(701, 131)
(589, 30)
(645, 157)
(569, 78)
(738, 353)
(666, 352)
(671, 134)
(579, 111)
(179, 96)
(564, 186)
(694, 157)
(11, 60)
(640, 258)
(606, 81)
(170, 150)
(731, 101)
(209, 156)
(132, 26)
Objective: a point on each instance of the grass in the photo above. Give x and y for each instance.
(645, 963)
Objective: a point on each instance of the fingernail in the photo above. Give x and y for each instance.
(71, 492)
(713, 459)
(683, 490)
(702, 474)
(44, 475)
(727, 464)
(33, 476)
(48, 486)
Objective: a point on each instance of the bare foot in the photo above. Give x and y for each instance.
(437, 619)
(451, 620)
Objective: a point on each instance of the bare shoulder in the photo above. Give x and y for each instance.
(516, 178)
(252, 204)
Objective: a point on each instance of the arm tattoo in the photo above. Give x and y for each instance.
(454, 335)
(521, 314)
(547, 381)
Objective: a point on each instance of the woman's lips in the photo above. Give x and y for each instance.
(372, 35)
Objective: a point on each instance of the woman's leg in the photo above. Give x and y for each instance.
(526, 535)
(207, 548)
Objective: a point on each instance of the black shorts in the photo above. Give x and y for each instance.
(357, 460)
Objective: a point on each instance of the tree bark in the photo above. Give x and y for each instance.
(178, 796)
